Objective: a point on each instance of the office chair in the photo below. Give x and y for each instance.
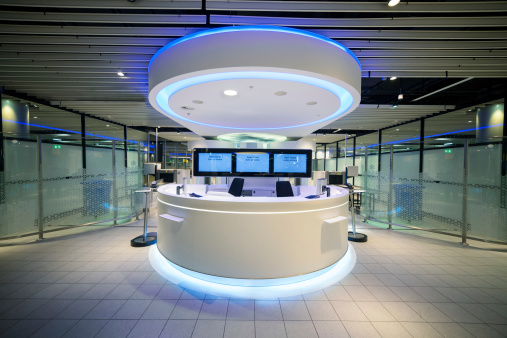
(236, 187)
(284, 189)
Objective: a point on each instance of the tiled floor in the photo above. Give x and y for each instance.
(94, 284)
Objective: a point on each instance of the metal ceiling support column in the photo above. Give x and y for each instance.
(354, 159)
(125, 147)
(164, 155)
(325, 157)
(421, 147)
(156, 145)
(464, 223)
(337, 155)
(40, 220)
(83, 141)
(379, 148)
(504, 141)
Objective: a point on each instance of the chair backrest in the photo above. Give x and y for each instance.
(284, 189)
(236, 187)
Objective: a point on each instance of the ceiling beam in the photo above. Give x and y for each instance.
(110, 4)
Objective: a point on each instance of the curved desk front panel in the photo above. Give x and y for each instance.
(252, 237)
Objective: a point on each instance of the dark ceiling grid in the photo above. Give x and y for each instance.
(68, 52)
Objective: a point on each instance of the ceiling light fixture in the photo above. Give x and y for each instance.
(393, 78)
(469, 121)
(197, 101)
(35, 117)
(230, 92)
(120, 74)
(311, 103)
(400, 97)
(393, 3)
(280, 93)
(395, 105)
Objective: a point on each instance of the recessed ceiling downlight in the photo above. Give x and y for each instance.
(280, 93)
(311, 103)
(197, 101)
(252, 137)
(230, 92)
(187, 108)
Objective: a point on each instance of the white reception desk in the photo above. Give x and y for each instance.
(252, 237)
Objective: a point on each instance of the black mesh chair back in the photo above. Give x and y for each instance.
(236, 187)
(284, 189)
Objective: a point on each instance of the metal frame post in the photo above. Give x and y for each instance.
(390, 197)
(39, 187)
(464, 224)
(115, 195)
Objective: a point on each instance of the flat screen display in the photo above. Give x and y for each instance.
(289, 163)
(215, 162)
(252, 162)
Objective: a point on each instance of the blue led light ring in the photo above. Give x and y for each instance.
(163, 96)
(254, 28)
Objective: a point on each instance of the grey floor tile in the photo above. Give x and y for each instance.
(482, 330)
(214, 309)
(55, 328)
(321, 310)
(75, 291)
(407, 294)
(451, 330)
(78, 309)
(294, 310)
(270, 329)
(178, 328)
(116, 328)
(169, 292)
(268, 310)
(457, 313)
(24, 328)
(375, 311)
(22, 309)
(209, 329)
(160, 309)
(239, 328)
(105, 309)
(99, 291)
(241, 310)
(337, 292)
(402, 312)
(360, 293)
(485, 314)
(132, 309)
(5, 324)
(421, 330)
(391, 329)
(300, 329)
(147, 328)
(186, 309)
(316, 295)
(146, 291)
(330, 329)
(429, 312)
(191, 294)
(122, 291)
(360, 329)
(455, 295)
(348, 311)
(383, 294)
(85, 329)
(50, 309)
(369, 279)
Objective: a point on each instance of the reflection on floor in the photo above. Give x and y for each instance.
(93, 284)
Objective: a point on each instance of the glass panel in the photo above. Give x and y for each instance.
(487, 191)
(19, 183)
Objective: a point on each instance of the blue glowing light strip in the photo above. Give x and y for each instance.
(429, 136)
(253, 28)
(165, 94)
(258, 289)
(75, 132)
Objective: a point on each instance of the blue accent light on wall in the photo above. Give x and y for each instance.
(253, 28)
(165, 94)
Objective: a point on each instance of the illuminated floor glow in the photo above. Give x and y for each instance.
(252, 288)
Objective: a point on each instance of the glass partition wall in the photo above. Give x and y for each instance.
(53, 178)
(443, 174)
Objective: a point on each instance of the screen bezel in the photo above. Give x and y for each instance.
(271, 152)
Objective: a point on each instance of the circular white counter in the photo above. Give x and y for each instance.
(252, 237)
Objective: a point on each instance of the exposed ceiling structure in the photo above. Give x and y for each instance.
(446, 55)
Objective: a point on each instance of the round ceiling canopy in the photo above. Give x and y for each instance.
(284, 80)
